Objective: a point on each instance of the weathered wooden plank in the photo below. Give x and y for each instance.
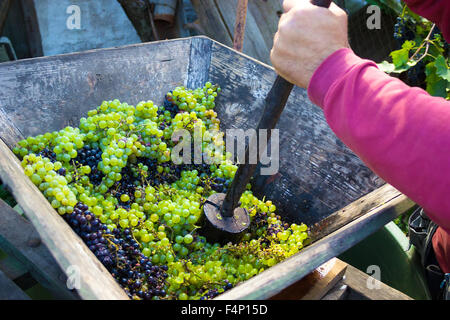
(254, 44)
(285, 273)
(338, 292)
(266, 15)
(212, 22)
(316, 284)
(354, 210)
(11, 267)
(318, 174)
(9, 290)
(199, 62)
(57, 91)
(330, 274)
(67, 248)
(8, 131)
(358, 280)
(19, 239)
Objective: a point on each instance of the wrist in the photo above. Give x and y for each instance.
(333, 68)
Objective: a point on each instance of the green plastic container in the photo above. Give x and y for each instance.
(399, 262)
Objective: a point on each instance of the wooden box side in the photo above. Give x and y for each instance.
(386, 203)
(49, 93)
(317, 174)
(92, 279)
(207, 60)
(46, 94)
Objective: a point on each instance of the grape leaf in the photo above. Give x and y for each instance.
(436, 86)
(391, 68)
(408, 45)
(386, 67)
(441, 68)
(401, 57)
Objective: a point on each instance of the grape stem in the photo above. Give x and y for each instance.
(425, 41)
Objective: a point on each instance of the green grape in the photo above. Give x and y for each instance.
(118, 163)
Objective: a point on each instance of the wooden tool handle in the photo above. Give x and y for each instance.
(322, 3)
(274, 105)
(280, 91)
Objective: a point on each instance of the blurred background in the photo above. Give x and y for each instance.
(32, 28)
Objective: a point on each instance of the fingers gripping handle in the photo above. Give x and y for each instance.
(274, 105)
(279, 93)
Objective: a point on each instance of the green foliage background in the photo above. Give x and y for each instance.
(428, 46)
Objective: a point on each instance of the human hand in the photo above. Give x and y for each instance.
(306, 36)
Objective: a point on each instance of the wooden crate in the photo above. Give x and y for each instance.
(320, 181)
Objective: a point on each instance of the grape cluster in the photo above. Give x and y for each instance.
(212, 293)
(92, 231)
(89, 156)
(119, 252)
(169, 105)
(134, 271)
(113, 181)
(47, 153)
(415, 76)
(219, 185)
(403, 30)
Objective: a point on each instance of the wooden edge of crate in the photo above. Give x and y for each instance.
(315, 285)
(124, 47)
(69, 251)
(275, 279)
(352, 211)
(9, 290)
(358, 282)
(199, 62)
(19, 239)
(9, 133)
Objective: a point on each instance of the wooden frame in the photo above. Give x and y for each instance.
(320, 181)
(20, 240)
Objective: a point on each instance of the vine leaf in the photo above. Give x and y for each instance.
(442, 69)
(391, 68)
(400, 57)
(436, 85)
(386, 67)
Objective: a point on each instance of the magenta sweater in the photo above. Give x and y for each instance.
(401, 133)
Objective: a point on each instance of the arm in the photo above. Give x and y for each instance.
(437, 11)
(401, 133)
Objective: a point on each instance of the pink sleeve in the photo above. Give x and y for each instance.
(437, 11)
(401, 133)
